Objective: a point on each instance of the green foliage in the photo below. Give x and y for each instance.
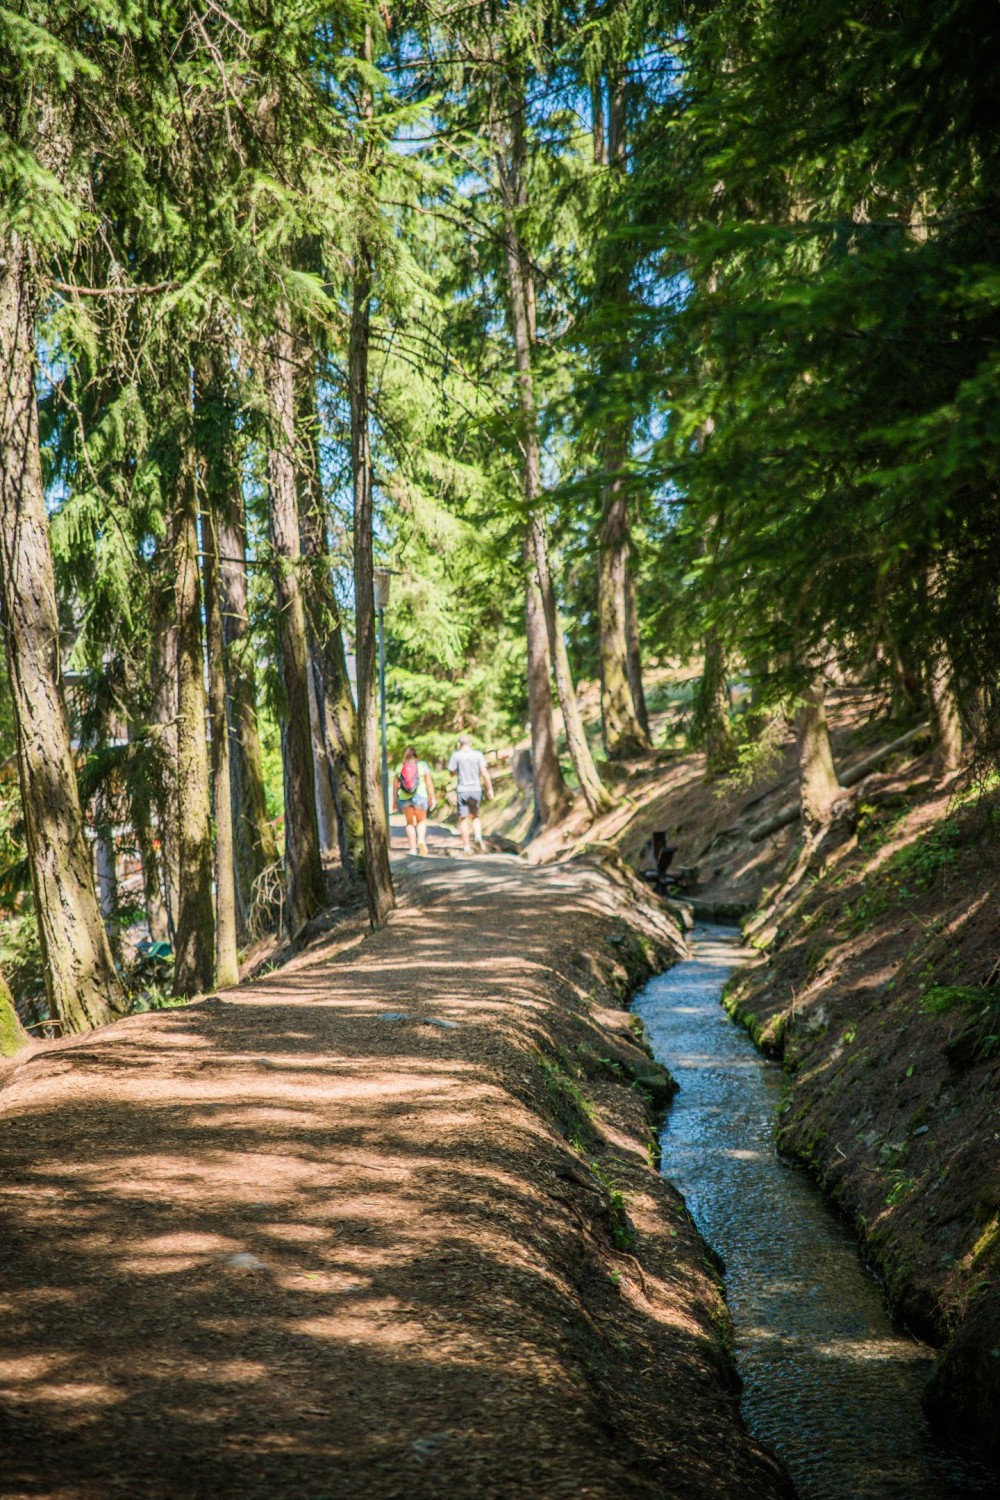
(8, 745)
(270, 744)
(977, 1009)
(15, 878)
(570, 1105)
(902, 1186)
(759, 749)
(21, 959)
(153, 998)
(910, 871)
(616, 1207)
(829, 344)
(917, 865)
(779, 300)
(877, 825)
(942, 998)
(12, 1035)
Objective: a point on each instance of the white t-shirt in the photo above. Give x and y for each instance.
(470, 765)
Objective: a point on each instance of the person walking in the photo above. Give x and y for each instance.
(473, 779)
(413, 795)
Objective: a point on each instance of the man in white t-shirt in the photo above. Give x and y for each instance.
(473, 778)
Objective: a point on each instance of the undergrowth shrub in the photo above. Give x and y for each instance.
(909, 872)
(978, 1009)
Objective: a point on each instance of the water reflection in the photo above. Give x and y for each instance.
(828, 1384)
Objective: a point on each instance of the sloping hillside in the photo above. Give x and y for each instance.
(878, 984)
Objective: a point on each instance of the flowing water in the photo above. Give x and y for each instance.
(829, 1385)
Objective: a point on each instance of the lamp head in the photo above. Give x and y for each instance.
(381, 579)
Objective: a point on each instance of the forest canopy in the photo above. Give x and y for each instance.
(616, 331)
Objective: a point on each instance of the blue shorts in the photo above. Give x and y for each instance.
(468, 804)
(418, 801)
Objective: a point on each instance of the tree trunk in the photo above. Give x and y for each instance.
(551, 797)
(945, 716)
(906, 695)
(714, 694)
(819, 788)
(332, 691)
(326, 806)
(336, 727)
(340, 727)
(596, 795)
(550, 789)
(82, 986)
(634, 643)
(625, 734)
(152, 873)
(227, 967)
(378, 876)
(310, 498)
(255, 849)
(194, 948)
(244, 844)
(145, 808)
(107, 875)
(792, 810)
(12, 1034)
(759, 668)
(163, 694)
(305, 882)
(598, 135)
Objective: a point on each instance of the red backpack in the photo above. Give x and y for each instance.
(409, 776)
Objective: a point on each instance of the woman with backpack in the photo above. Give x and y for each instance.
(413, 795)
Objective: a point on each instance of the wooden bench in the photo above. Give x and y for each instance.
(658, 873)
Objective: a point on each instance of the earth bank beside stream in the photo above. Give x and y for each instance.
(876, 984)
(383, 1222)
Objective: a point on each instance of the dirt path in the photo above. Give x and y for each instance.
(325, 1236)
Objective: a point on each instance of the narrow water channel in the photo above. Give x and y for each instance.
(828, 1384)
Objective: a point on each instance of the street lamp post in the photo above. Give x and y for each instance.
(381, 578)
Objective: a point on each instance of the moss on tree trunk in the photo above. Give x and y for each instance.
(12, 1034)
(255, 848)
(194, 944)
(81, 982)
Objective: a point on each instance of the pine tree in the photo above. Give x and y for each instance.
(194, 945)
(255, 849)
(378, 877)
(305, 881)
(82, 985)
(622, 700)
